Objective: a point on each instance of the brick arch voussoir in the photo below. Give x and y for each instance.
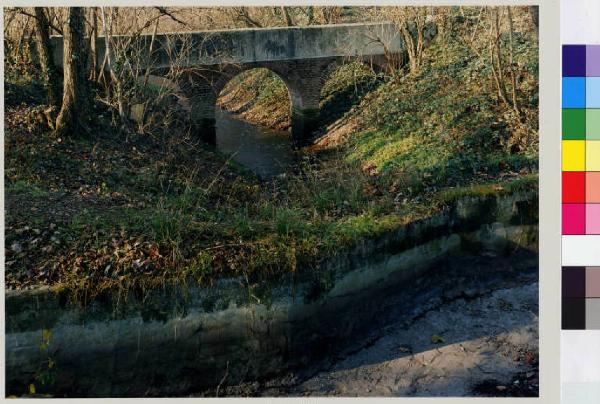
(228, 73)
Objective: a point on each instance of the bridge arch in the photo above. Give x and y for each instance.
(229, 93)
(303, 79)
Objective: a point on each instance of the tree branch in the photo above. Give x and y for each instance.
(54, 27)
(163, 11)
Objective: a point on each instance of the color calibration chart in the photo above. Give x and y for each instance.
(581, 179)
(580, 239)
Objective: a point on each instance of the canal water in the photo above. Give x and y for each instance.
(267, 152)
(264, 151)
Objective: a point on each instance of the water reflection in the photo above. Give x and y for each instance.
(267, 152)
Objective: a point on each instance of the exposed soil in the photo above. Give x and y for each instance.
(476, 337)
(486, 346)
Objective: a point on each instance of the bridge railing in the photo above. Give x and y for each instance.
(251, 45)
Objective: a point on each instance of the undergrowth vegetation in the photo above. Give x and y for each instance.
(444, 126)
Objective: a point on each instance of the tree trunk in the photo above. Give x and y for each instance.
(93, 40)
(511, 62)
(44, 49)
(310, 14)
(411, 24)
(496, 56)
(116, 81)
(535, 15)
(75, 109)
(286, 15)
(410, 46)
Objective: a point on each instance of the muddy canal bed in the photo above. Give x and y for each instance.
(478, 337)
(488, 340)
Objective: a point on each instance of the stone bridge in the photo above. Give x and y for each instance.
(303, 57)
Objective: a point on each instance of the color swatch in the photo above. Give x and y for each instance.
(581, 298)
(580, 253)
(581, 139)
(580, 180)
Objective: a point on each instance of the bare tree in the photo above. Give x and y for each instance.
(497, 59)
(44, 49)
(411, 24)
(241, 14)
(108, 61)
(330, 15)
(310, 14)
(495, 54)
(511, 62)
(285, 11)
(16, 52)
(535, 15)
(75, 109)
(93, 39)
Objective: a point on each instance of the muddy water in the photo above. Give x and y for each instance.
(266, 152)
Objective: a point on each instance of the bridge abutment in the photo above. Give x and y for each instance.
(304, 80)
(305, 94)
(304, 123)
(200, 92)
